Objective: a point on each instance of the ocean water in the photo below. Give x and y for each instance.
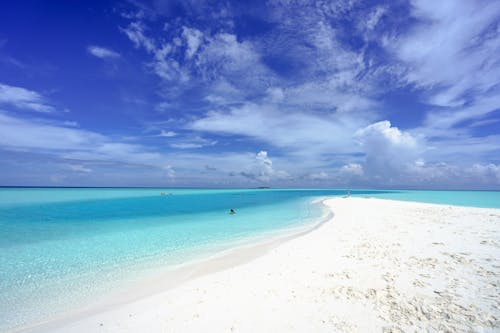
(61, 248)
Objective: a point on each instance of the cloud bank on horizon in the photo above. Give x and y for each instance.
(385, 94)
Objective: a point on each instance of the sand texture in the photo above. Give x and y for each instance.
(377, 266)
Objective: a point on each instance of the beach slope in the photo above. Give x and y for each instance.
(377, 266)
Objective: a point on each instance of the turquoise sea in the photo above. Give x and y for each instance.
(62, 247)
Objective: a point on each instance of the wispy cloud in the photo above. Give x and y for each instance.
(450, 54)
(23, 99)
(79, 168)
(167, 134)
(322, 93)
(102, 52)
(87, 151)
(192, 143)
(299, 131)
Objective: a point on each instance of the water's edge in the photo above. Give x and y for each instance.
(176, 275)
(219, 257)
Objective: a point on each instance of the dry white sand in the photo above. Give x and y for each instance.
(377, 266)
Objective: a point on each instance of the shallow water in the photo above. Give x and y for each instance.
(61, 248)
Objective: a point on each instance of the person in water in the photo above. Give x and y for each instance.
(232, 212)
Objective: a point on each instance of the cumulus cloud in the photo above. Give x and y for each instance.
(102, 52)
(302, 89)
(83, 151)
(397, 158)
(382, 131)
(388, 151)
(262, 169)
(23, 99)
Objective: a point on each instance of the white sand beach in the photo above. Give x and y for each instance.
(376, 266)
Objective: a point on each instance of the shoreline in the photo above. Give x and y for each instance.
(223, 267)
(245, 250)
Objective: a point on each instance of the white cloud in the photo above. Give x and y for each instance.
(194, 39)
(458, 147)
(187, 145)
(451, 51)
(337, 93)
(374, 17)
(222, 93)
(486, 172)
(162, 64)
(170, 172)
(232, 68)
(388, 151)
(396, 158)
(382, 131)
(79, 168)
(318, 112)
(167, 134)
(262, 169)
(319, 176)
(228, 55)
(135, 32)
(327, 76)
(22, 98)
(83, 151)
(18, 134)
(192, 143)
(188, 53)
(446, 119)
(447, 175)
(163, 106)
(102, 52)
(70, 123)
(352, 169)
(275, 94)
(298, 131)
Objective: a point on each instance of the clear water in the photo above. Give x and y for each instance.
(61, 248)
(481, 199)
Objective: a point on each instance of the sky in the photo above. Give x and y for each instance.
(193, 93)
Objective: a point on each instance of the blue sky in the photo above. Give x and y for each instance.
(384, 94)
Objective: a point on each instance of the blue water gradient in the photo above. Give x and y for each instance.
(61, 247)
